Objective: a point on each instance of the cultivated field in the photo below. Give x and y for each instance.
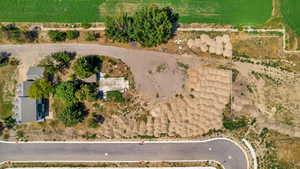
(205, 11)
(291, 11)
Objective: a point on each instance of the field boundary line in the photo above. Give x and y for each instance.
(208, 29)
(153, 161)
(115, 167)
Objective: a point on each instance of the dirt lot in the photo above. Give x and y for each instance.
(189, 113)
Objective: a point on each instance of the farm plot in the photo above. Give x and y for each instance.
(49, 10)
(291, 11)
(205, 11)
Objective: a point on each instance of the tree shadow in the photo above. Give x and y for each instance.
(4, 57)
(173, 18)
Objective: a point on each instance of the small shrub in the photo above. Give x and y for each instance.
(6, 134)
(94, 120)
(72, 114)
(115, 96)
(57, 36)
(20, 134)
(234, 124)
(86, 66)
(31, 36)
(11, 32)
(91, 36)
(10, 122)
(63, 57)
(72, 34)
(86, 25)
(87, 92)
(13, 61)
(66, 91)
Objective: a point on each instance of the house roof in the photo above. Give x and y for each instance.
(35, 72)
(27, 110)
(23, 88)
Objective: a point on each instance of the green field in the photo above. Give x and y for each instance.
(291, 12)
(205, 11)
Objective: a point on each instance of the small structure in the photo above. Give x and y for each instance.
(112, 84)
(27, 109)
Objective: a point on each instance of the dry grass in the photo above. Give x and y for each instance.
(116, 165)
(7, 90)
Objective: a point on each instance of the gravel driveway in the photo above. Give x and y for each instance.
(143, 63)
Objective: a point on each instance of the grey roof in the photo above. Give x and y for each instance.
(27, 110)
(35, 73)
(23, 88)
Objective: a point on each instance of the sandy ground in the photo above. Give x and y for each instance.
(274, 104)
(141, 62)
(191, 113)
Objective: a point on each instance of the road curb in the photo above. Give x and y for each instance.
(133, 142)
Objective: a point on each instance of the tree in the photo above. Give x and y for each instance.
(117, 28)
(149, 26)
(66, 91)
(63, 57)
(40, 88)
(72, 114)
(87, 92)
(31, 36)
(72, 34)
(87, 65)
(57, 36)
(152, 25)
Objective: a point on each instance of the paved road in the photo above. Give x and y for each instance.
(221, 150)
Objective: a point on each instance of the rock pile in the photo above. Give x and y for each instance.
(221, 45)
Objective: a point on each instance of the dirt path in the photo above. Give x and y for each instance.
(166, 83)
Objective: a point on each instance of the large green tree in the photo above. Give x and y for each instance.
(66, 91)
(117, 28)
(40, 88)
(87, 65)
(72, 114)
(152, 25)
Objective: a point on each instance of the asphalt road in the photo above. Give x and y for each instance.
(225, 152)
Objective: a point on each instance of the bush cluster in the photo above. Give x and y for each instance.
(87, 65)
(59, 36)
(11, 32)
(115, 96)
(72, 114)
